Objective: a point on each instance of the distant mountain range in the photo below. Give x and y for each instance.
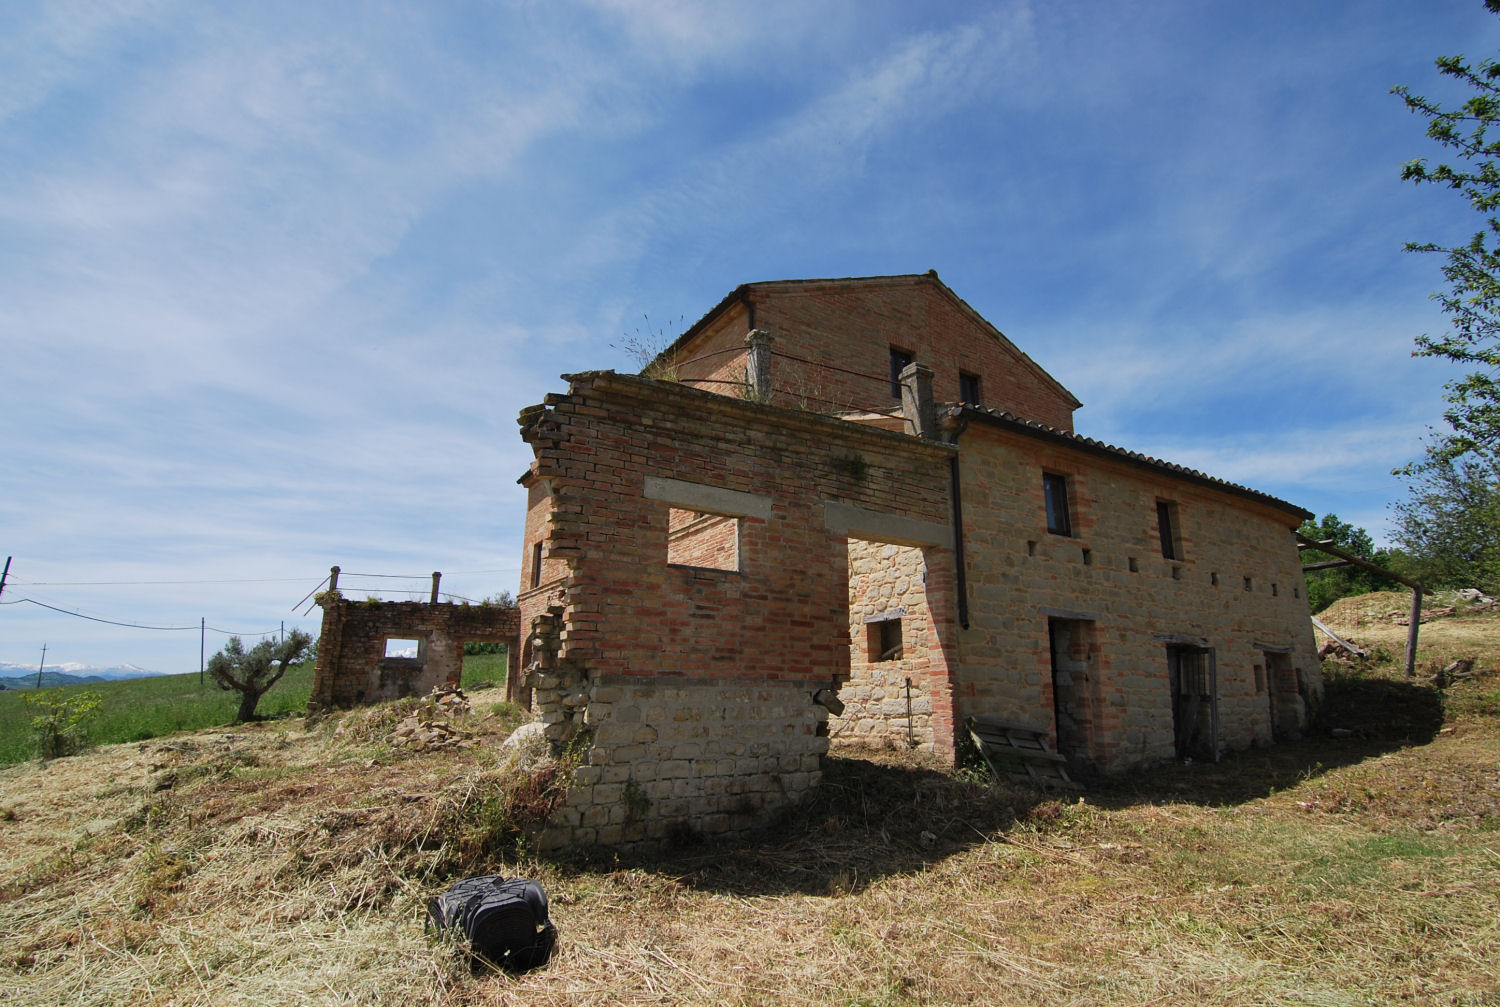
(19, 676)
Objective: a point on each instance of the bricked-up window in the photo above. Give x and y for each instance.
(968, 388)
(1055, 491)
(1166, 525)
(707, 541)
(883, 640)
(536, 564)
(900, 360)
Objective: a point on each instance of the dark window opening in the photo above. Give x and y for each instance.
(1166, 524)
(1055, 490)
(900, 360)
(968, 388)
(536, 564)
(883, 640)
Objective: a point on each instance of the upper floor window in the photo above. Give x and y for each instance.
(1166, 524)
(1055, 492)
(900, 360)
(968, 388)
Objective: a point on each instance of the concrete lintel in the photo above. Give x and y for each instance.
(877, 526)
(1180, 639)
(1067, 613)
(708, 499)
(1272, 648)
(888, 615)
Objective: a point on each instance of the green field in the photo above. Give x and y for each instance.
(139, 708)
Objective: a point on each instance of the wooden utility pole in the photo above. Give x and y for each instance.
(202, 646)
(5, 573)
(41, 666)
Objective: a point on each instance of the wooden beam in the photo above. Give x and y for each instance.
(1328, 565)
(1338, 639)
(1306, 543)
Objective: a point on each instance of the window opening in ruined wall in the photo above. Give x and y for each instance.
(706, 541)
(1167, 526)
(536, 564)
(1055, 492)
(403, 647)
(883, 640)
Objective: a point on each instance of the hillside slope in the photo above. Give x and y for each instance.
(288, 863)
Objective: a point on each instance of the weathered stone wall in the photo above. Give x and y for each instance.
(1237, 589)
(669, 756)
(352, 668)
(843, 327)
(886, 582)
(745, 649)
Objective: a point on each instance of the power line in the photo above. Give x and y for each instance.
(138, 583)
(91, 618)
(135, 625)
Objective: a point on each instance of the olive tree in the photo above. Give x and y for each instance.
(252, 672)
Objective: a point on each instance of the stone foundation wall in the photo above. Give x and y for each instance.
(667, 759)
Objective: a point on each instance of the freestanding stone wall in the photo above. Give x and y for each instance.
(352, 668)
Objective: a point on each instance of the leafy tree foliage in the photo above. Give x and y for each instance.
(1472, 299)
(252, 672)
(1324, 587)
(1450, 526)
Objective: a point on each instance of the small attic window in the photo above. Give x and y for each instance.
(968, 388)
(900, 360)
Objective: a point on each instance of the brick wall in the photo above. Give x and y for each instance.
(352, 668)
(723, 660)
(1237, 590)
(851, 326)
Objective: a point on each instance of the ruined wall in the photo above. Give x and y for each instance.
(887, 583)
(1237, 589)
(352, 668)
(852, 327)
(692, 687)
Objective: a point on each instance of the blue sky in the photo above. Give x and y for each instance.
(275, 279)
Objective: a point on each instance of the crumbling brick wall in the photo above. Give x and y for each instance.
(692, 688)
(352, 668)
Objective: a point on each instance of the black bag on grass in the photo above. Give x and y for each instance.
(505, 921)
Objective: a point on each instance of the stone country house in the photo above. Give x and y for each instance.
(852, 511)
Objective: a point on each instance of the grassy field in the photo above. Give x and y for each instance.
(288, 863)
(140, 708)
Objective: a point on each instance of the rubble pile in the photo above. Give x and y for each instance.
(432, 725)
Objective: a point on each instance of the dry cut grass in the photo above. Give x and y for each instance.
(288, 863)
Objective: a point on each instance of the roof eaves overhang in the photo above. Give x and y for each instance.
(959, 415)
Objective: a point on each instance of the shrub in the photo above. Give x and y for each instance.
(61, 724)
